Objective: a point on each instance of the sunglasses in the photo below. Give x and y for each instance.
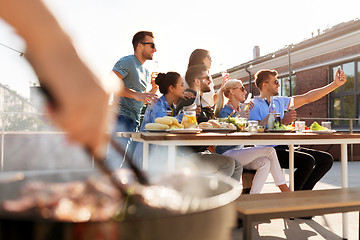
(242, 88)
(276, 82)
(152, 45)
(208, 56)
(203, 78)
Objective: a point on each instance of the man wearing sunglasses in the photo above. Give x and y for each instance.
(198, 79)
(135, 78)
(311, 165)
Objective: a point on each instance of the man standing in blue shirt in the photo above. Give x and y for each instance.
(311, 165)
(135, 78)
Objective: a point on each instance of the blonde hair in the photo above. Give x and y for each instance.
(224, 92)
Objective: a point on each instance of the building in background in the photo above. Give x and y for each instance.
(311, 64)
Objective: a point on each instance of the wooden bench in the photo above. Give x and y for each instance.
(261, 207)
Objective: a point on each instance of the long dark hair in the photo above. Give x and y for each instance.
(165, 80)
(197, 57)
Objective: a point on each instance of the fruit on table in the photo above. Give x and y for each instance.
(317, 127)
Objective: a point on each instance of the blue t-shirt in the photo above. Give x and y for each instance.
(156, 110)
(261, 107)
(135, 77)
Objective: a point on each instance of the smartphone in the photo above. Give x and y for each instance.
(338, 68)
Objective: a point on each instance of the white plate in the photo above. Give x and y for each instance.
(157, 130)
(187, 130)
(219, 130)
(320, 131)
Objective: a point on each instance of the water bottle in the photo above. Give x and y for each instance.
(272, 110)
(271, 121)
(272, 107)
(197, 101)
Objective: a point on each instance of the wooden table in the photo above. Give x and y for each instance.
(260, 207)
(239, 138)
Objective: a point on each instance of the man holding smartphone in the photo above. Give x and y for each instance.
(311, 165)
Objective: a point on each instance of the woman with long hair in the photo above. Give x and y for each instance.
(202, 56)
(261, 159)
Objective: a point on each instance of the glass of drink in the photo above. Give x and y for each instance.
(253, 126)
(240, 123)
(245, 106)
(326, 124)
(189, 119)
(300, 126)
(153, 77)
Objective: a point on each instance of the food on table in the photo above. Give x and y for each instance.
(174, 120)
(164, 123)
(228, 126)
(280, 126)
(240, 123)
(261, 129)
(205, 125)
(156, 126)
(214, 124)
(317, 127)
(163, 120)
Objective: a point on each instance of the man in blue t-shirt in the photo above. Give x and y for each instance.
(135, 78)
(311, 165)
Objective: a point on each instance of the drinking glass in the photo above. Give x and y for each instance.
(300, 126)
(189, 119)
(326, 124)
(241, 123)
(253, 126)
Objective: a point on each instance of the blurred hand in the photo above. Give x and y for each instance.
(188, 95)
(289, 117)
(146, 97)
(251, 105)
(244, 113)
(84, 117)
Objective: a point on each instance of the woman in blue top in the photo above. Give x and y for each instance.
(262, 159)
(171, 85)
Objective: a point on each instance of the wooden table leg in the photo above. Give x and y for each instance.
(247, 228)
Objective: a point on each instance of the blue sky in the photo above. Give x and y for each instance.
(102, 31)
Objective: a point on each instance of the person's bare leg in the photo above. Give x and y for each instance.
(284, 188)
